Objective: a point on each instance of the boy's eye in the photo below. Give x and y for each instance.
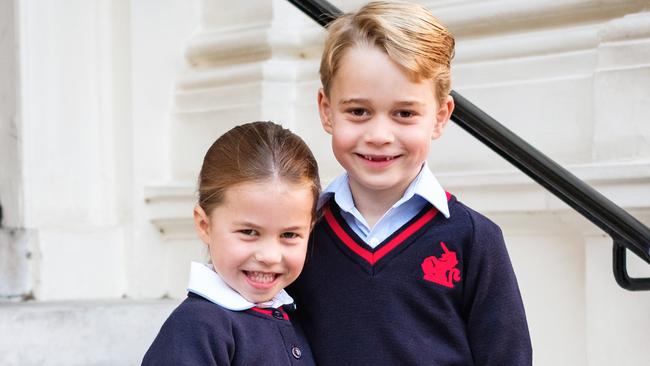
(358, 112)
(249, 232)
(405, 114)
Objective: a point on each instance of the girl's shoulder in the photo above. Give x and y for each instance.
(200, 329)
(198, 315)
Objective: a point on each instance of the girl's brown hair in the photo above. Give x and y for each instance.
(255, 151)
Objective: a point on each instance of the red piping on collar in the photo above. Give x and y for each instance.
(268, 312)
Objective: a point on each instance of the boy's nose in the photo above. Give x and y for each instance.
(379, 132)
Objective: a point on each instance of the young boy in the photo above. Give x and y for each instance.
(400, 272)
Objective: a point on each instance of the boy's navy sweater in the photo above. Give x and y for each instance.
(437, 292)
(199, 332)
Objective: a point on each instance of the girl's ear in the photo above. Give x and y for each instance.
(202, 224)
(442, 117)
(324, 110)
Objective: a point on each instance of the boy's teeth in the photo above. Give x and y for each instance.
(261, 277)
(372, 158)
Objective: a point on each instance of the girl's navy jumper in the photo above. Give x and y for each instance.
(437, 292)
(200, 332)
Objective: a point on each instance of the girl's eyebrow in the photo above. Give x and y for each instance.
(295, 228)
(246, 224)
(254, 226)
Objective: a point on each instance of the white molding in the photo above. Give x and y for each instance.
(512, 191)
(543, 42)
(477, 18)
(493, 193)
(209, 46)
(236, 87)
(629, 27)
(253, 42)
(613, 172)
(170, 209)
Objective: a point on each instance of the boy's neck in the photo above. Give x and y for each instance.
(374, 204)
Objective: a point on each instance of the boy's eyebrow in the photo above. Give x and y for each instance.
(410, 103)
(353, 101)
(405, 103)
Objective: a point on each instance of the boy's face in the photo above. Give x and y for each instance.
(381, 121)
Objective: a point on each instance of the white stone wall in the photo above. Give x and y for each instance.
(107, 107)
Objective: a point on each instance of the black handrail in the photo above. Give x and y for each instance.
(626, 231)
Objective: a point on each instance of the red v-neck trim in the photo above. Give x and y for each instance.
(370, 256)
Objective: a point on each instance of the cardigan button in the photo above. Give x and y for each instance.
(277, 314)
(296, 352)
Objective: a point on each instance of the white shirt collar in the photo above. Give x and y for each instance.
(207, 283)
(425, 185)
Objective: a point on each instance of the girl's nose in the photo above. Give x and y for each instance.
(268, 253)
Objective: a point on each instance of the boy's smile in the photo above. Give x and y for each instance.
(381, 121)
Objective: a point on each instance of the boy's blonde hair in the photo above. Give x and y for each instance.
(409, 34)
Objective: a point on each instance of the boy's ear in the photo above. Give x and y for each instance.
(442, 117)
(324, 110)
(202, 224)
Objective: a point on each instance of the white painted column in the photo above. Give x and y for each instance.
(72, 138)
(15, 241)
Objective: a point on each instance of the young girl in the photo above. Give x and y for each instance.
(258, 189)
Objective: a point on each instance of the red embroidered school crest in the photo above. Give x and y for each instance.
(442, 270)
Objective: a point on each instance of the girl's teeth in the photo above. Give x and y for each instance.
(261, 277)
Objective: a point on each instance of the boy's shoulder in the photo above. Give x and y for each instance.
(465, 218)
(466, 212)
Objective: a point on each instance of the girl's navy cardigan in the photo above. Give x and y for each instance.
(199, 332)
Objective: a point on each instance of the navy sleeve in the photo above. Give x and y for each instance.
(496, 322)
(191, 337)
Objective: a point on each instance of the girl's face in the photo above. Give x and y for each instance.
(258, 235)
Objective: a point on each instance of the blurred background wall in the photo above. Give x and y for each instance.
(107, 107)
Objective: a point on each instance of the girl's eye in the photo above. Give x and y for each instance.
(289, 235)
(249, 232)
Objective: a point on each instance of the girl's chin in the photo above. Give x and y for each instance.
(257, 298)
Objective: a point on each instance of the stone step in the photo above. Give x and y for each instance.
(80, 332)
